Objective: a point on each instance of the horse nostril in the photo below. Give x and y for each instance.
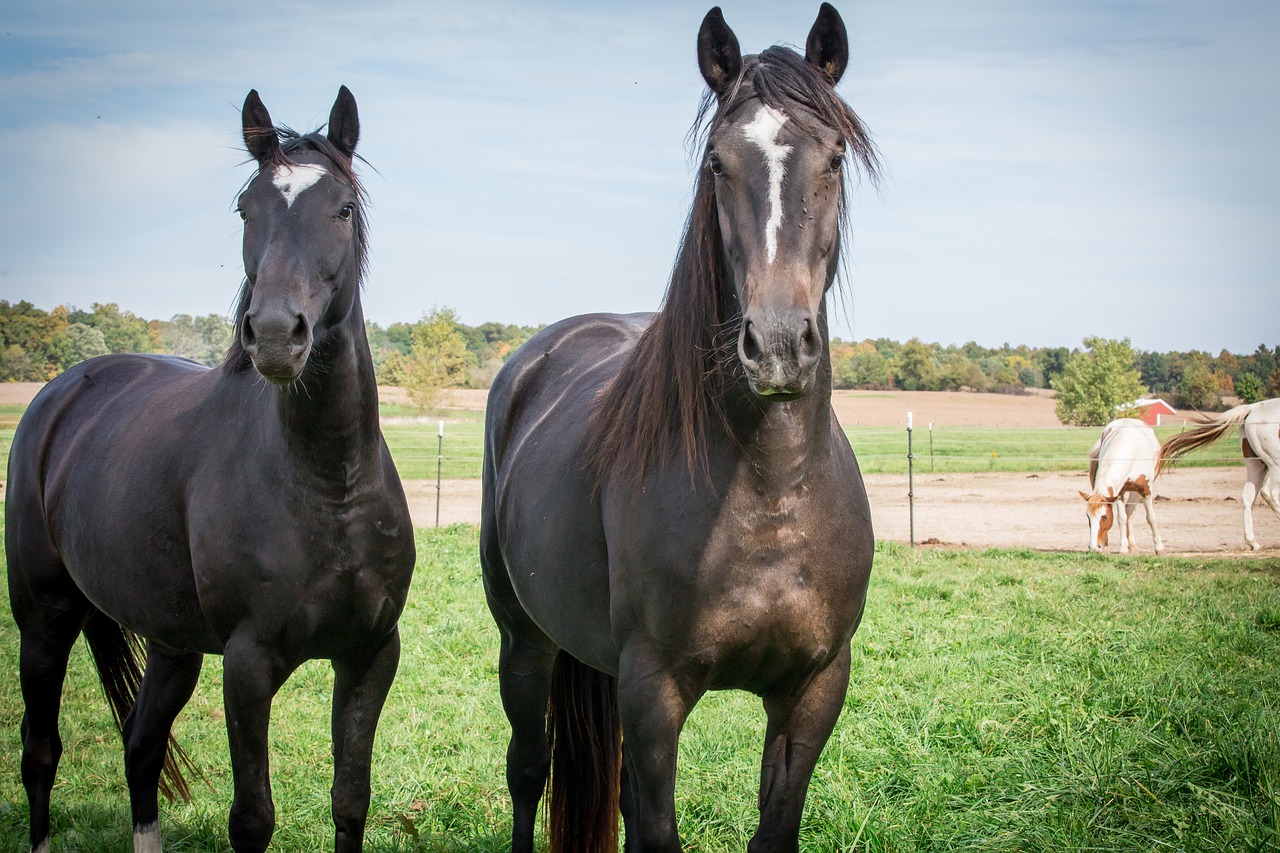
(247, 337)
(750, 345)
(299, 334)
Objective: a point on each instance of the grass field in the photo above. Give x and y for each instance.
(1001, 701)
(415, 445)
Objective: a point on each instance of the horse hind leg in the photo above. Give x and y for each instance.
(1255, 483)
(50, 612)
(798, 728)
(167, 685)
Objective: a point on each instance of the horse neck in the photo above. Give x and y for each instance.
(782, 442)
(331, 414)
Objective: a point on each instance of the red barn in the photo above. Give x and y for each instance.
(1149, 410)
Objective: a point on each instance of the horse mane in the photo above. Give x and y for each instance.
(291, 142)
(669, 393)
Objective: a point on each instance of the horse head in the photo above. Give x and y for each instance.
(776, 149)
(303, 237)
(1101, 512)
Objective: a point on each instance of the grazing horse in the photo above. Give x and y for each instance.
(250, 510)
(1122, 465)
(669, 504)
(1259, 442)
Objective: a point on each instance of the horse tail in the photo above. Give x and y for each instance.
(586, 758)
(116, 654)
(1210, 431)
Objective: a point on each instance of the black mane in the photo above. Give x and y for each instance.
(670, 390)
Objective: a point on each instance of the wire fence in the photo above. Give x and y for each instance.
(916, 496)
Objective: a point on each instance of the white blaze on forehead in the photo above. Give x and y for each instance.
(293, 180)
(762, 131)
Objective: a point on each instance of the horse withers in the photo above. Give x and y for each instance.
(669, 505)
(1122, 466)
(250, 510)
(1259, 430)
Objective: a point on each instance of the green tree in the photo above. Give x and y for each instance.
(1197, 387)
(1249, 388)
(76, 343)
(917, 366)
(438, 359)
(1095, 381)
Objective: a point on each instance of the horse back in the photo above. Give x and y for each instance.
(542, 544)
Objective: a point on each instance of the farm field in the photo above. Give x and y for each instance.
(1001, 700)
(996, 470)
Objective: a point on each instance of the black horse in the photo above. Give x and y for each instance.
(212, 512)
(670, 506)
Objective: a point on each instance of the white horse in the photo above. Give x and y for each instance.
(1121, 467)
(1259, 441)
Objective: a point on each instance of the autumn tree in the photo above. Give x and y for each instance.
(437, 360)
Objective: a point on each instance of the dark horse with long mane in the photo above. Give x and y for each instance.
(670, 506)
(251, 510)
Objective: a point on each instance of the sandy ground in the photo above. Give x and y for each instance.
(1198, 509)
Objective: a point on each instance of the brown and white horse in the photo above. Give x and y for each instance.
(1259, 442)
(1122, 465)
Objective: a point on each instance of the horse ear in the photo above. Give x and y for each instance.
(259, 133)
(344, 122)
(827, 47)
(1084, 495)
(719, 56)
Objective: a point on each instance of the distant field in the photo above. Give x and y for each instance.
(958, 446)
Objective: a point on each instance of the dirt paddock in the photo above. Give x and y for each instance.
(1198, 509)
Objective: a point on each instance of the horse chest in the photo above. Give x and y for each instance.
(778, 587)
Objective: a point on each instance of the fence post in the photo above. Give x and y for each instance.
(930, 447)
(911, 481)
(439, 466)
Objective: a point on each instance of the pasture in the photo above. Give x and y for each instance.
(1001, 700)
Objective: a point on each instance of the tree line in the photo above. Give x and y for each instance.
(439, 351)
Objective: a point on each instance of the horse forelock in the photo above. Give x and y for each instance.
(668, 394)
(284, 157)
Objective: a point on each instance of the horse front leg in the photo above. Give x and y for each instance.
(359, 692)
(1124, 523)
(798, 729)
(251, 677)
(653, 708)
(167, 684)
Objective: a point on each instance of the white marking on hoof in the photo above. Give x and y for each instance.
(146, 839)
(42, 847)
(293, 180)
(762, 131)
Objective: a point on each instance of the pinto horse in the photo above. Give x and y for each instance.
(250, 510)
(669, 505)
(1259, 425)
(1122, 465)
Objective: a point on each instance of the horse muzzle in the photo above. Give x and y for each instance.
(780, 355)
(279, 345)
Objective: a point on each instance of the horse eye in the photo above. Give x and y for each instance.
(243, 216)
(716, 167)
(837, 163)
(345, 213)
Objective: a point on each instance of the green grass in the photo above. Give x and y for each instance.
(415, 445)
(1000, 701)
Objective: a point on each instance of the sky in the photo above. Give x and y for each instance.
(1054, 169)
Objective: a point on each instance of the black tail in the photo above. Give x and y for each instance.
(586, 758)
(116, 653)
